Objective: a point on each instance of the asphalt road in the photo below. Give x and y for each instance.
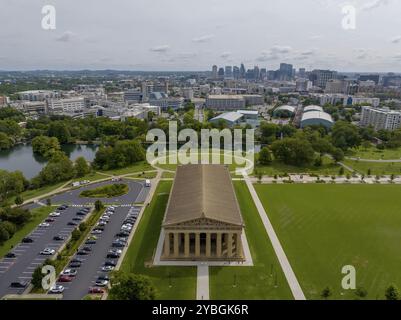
(72, 197)
(91, 267)
(28, 257)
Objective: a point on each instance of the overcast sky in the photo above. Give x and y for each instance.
(195, 34)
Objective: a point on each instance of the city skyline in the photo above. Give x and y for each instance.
(184, 37)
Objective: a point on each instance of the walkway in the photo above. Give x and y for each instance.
(202, 284)
(374, 160)
(285, 264)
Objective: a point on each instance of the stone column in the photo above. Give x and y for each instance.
(167, 244)
(186, 244)
(197, 245)
(230, 244)
(239, 244)
(208, 245)
(218, 245)
(176, 244)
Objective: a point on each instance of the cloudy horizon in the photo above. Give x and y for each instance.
(177, 35)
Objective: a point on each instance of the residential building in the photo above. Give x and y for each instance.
(225, 102)
(380, 118)
(38, 95)
(62, 106)
(320, 78)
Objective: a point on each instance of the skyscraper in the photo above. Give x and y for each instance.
(242, 71)
(236, 72)
(221, 73)
(228, 74)
(214, 72)
(285, 72)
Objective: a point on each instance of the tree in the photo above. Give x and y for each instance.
(293, 151)
(361, 292)
(45, 146)
(60, 131)
(345, 135)
(366, 145)
(11, 183)
(4, 235)
(338, 154)
(98, 205)
(131, 287)
(265, 157)
(81, 167)
(19, 200)
(5, 141)
(37, 277)
(341, 171)
(392, 293)
(326, 293)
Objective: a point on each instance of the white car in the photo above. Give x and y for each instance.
(126, 227)
(69, 272)
(96, 231)
(54, 214)
(44, 225)
(118, 251)
(56, 289)
(107, 268)
(48, 252)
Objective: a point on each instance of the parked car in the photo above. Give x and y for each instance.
(123, 233)
(87, 249)
(11, 255)
(96, 231)
(97, 290)
(118, 244)
(74, 264)
(118, 251)
(107, 268)
(54, 214)
(19, 284)
(77, 219)
(27, 240)
(90, 242)
(80, 213)
(82, 253)
(65, 279)
(50, 220)
(101, 283)
(57, 289)
(79, 260)
(44, 225)
(63, 207)
(111, 263)
(147, 183)
(59, 238)
(69, 272)
(47, 252)
(72, 223)
(113, 255)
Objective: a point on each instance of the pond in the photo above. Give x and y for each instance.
(22, 158)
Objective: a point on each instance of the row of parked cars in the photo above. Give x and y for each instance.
(71, 271)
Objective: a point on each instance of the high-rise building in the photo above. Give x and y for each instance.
(236, 72)
(285, 72)
(263, 74)
(220, 73)
(302, 73)
(319, 78)
(214, 72)
(228, 73)
(242, 71)
(256, 72)
(380, 118)
(370, 77)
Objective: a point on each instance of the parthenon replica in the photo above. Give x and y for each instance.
(203, 221)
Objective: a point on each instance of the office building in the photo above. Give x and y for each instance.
(380, 118)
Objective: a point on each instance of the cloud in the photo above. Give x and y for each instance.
(225, 55)
(160, 49)
(204, 38)
(67, 36)
(397, 57)
(374, 4)
(396, 40)
(274, 53)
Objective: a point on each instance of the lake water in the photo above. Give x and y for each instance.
(22, 158)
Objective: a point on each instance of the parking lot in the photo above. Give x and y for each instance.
(91, 267)
(28, 256)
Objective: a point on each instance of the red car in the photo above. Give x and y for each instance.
(96, 290)
(65, 279)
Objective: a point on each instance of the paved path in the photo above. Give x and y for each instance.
(202, 284)
(374, 160)
(285, 264)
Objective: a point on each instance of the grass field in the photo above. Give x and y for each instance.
(375, 154)
(328, 168)
(38, 215)
(257, 282)
(385, 168)
(138, 167)
(325, 227)
(171, 282)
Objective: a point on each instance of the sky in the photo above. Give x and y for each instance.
(191, 35)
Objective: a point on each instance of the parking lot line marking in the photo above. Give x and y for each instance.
(27, 272)
(24, 277)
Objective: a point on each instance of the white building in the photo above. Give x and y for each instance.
(65, 106)
(38, 95)
(225, 102)
(380, 118)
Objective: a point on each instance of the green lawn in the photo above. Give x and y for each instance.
(107, 191)
(257, 282)
(325, 227)
(38, 215)
(140, 175)
(375, 154)
(168, 175)
(93, 176)
(138, 167)
(278, 168)
(375, 167)
(172, 283)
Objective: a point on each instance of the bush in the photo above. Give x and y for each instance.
(131, 287)
(19, 200)
(75, 235)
